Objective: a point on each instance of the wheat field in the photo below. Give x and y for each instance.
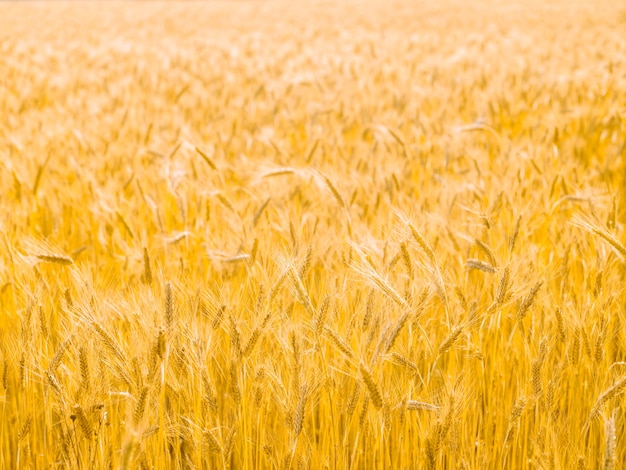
(313, 235)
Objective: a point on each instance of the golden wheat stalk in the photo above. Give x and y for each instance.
(339, 342)
(602, 233)
(528, 301)
(613, 391)
(300, 411)
(487, 251)
(372, 387)
(414, 405)
(366, 270)
(57, 258)
(479, 265)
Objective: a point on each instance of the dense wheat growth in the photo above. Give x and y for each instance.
(308, 235)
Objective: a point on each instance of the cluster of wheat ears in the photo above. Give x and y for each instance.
(366, 235)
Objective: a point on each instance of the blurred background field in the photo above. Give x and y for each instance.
(312, 234)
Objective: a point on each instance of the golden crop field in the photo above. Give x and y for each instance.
(313, 235)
